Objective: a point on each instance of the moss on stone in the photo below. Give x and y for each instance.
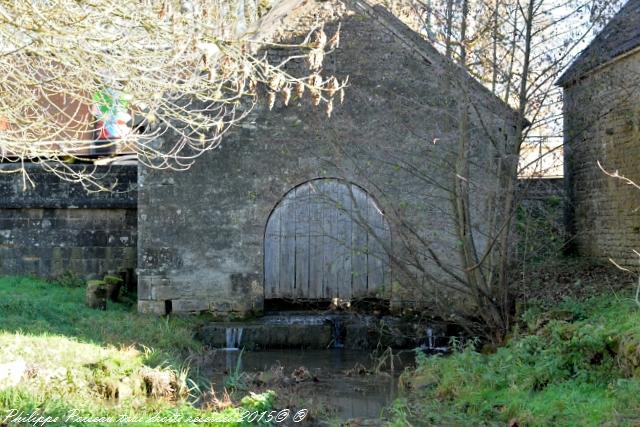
(95, 283)
(112, 280)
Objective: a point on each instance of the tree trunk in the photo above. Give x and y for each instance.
(494, 74)
(449, 28)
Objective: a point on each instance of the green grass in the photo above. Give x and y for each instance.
(36, 307)
(79, 359)
(574, 364)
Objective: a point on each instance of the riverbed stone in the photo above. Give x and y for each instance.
(151, 307)
(96, 294)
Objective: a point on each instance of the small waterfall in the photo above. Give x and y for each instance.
(336, 332)
(430, 339)
(430, 342)
(233, 338)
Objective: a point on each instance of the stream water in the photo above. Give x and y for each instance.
(334, 384)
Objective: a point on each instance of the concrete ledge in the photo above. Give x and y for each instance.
(321, 332)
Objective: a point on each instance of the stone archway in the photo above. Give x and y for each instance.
(325, 239)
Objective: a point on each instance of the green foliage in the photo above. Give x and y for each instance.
(539, 234)
(399, 413)
(577, 364)
(112, 280)
(235, 380)
(99, 283)
(69, 279)
(259, 402)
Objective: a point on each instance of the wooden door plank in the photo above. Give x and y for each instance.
(272, 255)
(316, 250)
(359, 243)
(329, 219)
(302, 242)
(375, 276)
(343, 235)
(287, 247)
(386, 259)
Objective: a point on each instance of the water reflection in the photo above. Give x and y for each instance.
(343, 382)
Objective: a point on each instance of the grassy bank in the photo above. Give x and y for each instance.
(87, 362)
(571, 363)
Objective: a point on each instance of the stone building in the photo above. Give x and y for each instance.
(602, 125)
(298, 206)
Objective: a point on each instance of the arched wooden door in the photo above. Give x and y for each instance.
(325, 239)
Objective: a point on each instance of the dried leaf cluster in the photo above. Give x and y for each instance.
(320, 89)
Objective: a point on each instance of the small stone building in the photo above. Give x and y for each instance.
(602, 125)
(297, 206)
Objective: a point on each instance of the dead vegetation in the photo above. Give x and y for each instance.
(558, 279)
(163, 383)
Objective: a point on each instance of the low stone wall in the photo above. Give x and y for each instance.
(307, 330)
(58, 227)
(539, 194)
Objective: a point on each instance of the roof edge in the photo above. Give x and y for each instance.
(564, 80)
(430, 53)
(619, 37)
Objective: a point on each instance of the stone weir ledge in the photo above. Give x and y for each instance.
(321, 331)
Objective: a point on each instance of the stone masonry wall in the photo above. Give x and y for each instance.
(602, 123)
(201, 232)
(57, 227)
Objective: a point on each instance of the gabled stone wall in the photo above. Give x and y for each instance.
(602, 123)
(201, 232)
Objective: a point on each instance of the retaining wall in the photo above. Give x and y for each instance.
(57, 226)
